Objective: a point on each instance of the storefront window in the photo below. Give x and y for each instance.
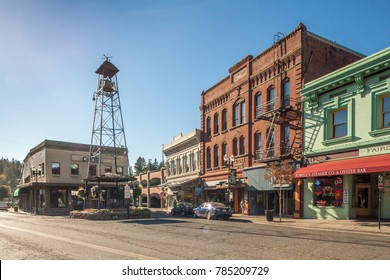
(58, 198)
(328, 191)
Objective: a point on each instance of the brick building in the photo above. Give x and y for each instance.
(254, 115)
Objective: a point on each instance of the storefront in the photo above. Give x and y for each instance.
(263, 195)
(347, 188)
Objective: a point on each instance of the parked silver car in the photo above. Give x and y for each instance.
(4, 205)
(213, 210)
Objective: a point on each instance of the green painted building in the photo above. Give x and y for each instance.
(346, 130)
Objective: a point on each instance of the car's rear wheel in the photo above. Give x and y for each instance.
(195, 216)
(208, 215)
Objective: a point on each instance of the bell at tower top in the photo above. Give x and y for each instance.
(107, 69)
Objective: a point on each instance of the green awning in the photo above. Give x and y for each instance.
(16, 192)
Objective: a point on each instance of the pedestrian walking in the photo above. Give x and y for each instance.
(242, 205)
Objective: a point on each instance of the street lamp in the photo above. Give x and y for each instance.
(148, 185)
(231, 173)
(380, 189)
(36, 172)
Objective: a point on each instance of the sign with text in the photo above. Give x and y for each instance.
(375, 150)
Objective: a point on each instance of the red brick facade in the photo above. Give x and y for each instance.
(292, 60)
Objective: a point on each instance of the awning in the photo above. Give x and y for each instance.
(361, 165)
(256, 180)
(16, 192)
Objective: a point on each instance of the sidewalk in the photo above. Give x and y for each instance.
(367, 226)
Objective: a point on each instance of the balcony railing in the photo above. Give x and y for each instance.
(273, 152)
(273, 105)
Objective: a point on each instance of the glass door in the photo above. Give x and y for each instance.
(363, 206)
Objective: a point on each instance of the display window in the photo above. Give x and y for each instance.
(328, 191)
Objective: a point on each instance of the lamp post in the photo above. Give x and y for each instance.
(148, 185)
(231, 179)
(36, 172)
(380, 188)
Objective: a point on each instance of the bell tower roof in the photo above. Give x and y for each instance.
(107, 69)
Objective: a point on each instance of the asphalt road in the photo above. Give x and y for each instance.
(167, 238)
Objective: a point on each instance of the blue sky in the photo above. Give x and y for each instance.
(168, 52)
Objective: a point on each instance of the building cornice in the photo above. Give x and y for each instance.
(354, 72)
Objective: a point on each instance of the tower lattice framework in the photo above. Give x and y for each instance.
(108, 134)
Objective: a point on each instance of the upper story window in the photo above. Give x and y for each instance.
(119, 170)
(92, 170)
(55, 168)
(108, 169)
(242, 145)
(339, 123)
(286, 93)
(236, 110)
(208, 158)
(385, 112)
(224, 152)
(270, 99)
(216, 123)
(216, 164)
(242, 116)
(74, 169)
(270, 143)
(168, 167)
(258, 103)
(380, 108)
(208, 126)
(258, 145)
(224, 120)
(239, 113)
(286, 139)
(235, 147)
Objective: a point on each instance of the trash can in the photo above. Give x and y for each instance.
(269, 215)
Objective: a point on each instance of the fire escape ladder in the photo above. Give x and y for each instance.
(270, 151)
(297, 143)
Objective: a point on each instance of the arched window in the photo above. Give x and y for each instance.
(208, 126)
(258, 146)
(239, 113)
(236, 110)
(224, 152)
(242, 111)
(242, 145)
(224, 120)
(216, 123)
(270, 143)
(216, 156)
(258, 103)
(235, 147)
(285, 139)
(286, 93)
(270, 99)
(208, 158)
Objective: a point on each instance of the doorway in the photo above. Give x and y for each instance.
(363, 205)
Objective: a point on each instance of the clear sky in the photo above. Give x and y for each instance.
(168, 52)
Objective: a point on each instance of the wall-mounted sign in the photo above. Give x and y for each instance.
(239, 75)
(375, 150)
